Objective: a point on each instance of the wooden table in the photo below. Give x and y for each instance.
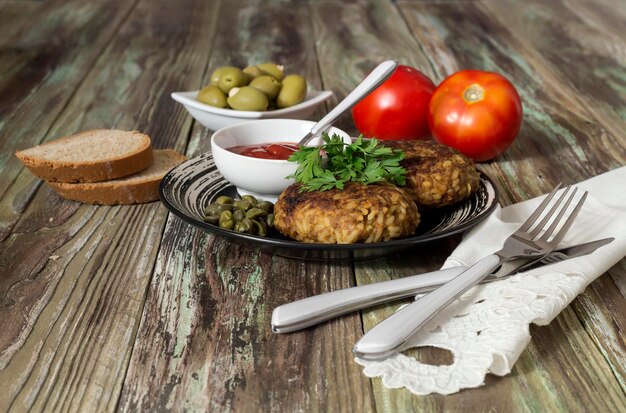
(128, 308)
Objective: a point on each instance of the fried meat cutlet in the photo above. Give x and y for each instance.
(358, 213)
(437, 175)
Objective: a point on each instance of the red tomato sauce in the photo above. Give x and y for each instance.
(278, 150)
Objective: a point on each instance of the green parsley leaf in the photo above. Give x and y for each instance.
(335, 163)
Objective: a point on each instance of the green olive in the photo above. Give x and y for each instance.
(253, 72)
(224, 200)
(211, 219)
(266, 206)
(293, 91)
(226, 220)
(248, 98)
(250, 198)
(217, 73)
(232, 77)
(266, 84)
(273, 70)
(212, 95)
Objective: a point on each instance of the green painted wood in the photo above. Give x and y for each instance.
(79, 273)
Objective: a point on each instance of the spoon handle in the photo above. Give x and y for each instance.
(371, 82)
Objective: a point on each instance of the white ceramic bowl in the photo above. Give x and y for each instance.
(265, 178)
(217, 118)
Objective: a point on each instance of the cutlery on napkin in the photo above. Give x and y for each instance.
(488, 327)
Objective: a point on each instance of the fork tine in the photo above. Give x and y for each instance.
(556, 220)
(568, 222)
(553, 210)
(531, 220)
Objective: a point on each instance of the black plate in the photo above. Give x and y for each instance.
(189, 187)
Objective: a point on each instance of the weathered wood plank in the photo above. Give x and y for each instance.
(78, 281)
(42, 62)
(205, 342)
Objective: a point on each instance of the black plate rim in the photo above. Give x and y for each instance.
(265, 242)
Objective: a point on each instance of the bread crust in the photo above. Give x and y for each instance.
(117, 192)
(92, 171)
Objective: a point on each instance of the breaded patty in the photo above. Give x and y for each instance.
(358, 213)
(437, 175)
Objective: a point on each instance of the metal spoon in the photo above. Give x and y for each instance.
(371, 82)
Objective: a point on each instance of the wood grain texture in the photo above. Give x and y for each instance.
(205, 342)
(79, 273)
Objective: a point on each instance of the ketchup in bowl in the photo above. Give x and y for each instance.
(275, 150)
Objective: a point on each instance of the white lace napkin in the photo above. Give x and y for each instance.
(488, 328)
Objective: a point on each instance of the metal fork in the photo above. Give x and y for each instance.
(390, 336)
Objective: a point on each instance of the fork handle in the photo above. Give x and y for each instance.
(390, 336)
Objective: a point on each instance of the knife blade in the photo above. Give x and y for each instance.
(313, 310)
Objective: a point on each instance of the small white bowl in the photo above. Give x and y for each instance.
(265, 178)
(217, 118)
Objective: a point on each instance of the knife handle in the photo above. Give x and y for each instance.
(391, 335)
(312, 310)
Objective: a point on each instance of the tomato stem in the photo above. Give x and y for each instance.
(474, 93)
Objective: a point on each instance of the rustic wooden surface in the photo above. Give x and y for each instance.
(130, 309)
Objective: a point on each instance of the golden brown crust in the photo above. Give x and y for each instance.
(136, 189)
(437, 175)
(358, 213)
(91, 171)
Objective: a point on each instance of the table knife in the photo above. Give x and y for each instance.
(313, 310)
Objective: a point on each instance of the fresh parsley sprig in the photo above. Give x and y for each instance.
(364, 161)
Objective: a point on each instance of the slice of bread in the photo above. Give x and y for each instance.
(135, 189)
(91, 156)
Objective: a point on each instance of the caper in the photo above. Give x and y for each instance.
(266, 84)
(211, 219)
(270, 220)
(217, 73)
(239, 215)
(212, 210)
(250, 198)
(212, 95)
(224, 200)
(249, 225)
(239, 227)
(266, 206)
(261, 228)
(248, 98)
(292, 92)
(232, 77)
(242, 205)
(226, 220)
(253, 213)
(273, 70)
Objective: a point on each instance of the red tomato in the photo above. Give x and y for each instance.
(398, 108)
(478, 113)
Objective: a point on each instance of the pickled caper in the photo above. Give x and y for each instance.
(261, 227)
(270, 220)
(242, 205)
(226, 220)
(253, 213)
(250, 198)
(211, 219)
(224, 200)
(266, 206)
(239, 215)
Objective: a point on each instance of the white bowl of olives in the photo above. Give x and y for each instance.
(263, 91)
